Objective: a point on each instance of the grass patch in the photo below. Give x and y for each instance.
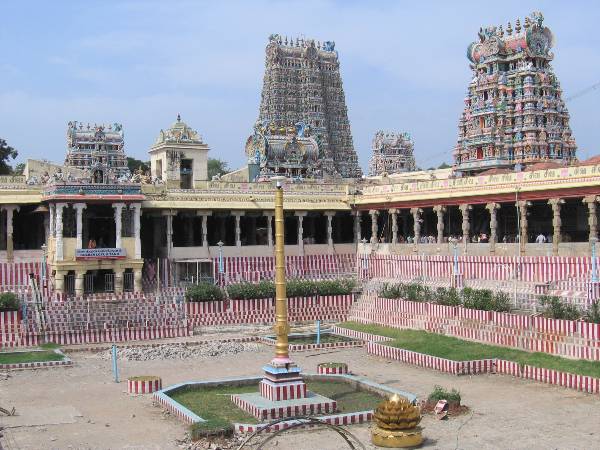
(349, 398)
(460, 350)
(215, 406)
(28, 357)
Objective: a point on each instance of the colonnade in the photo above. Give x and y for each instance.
(522, 207)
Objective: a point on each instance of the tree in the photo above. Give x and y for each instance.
(217, 167)
(6, 152)
(444, 166)
(134, 164)
(19, 169)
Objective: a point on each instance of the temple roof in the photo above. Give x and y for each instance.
(180, 132)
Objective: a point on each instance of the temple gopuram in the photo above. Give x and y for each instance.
(514, 112)
(98, 150)
(392, 153)
(302, 88)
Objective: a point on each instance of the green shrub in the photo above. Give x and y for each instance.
(9, 301)
(501, 302)
(592, 315)
(245, 291)
(482, 299)
(554, 308)
(447, 296)
(294, 288)
(439, 393)
(390, 291)
(203, 292)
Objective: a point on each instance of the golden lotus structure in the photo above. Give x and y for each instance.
(396, 424)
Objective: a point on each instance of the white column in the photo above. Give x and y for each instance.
(79, 207)
(10, 210)
(300, 216)
(269, 229)
(137, 212)
(59, 231)
(374, 226)
(52, 225)
(169, 215)
(204, 215)
(394, 213)
(238, 230)
(330, 215)
(118, 207)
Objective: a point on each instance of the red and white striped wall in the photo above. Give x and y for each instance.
(146, 385)
(282, 391)
(332, 368)
(337, 419)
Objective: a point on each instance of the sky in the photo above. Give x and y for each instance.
(140, 63)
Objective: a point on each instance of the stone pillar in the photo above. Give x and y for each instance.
(330, 215)
(10, 210)
(204, 215)
(59, 233)
(269, 229)
(52, 224)
(466, 223)
(374, 225)
(238, 230)
(493, 208)
(79, 283)
(300, 216)
(79, 207)
(59, 281)
(119, 281)
(440, 210)
(357, 219)
(416, 213)
(556, 223)
(169, 215)
(394, 214)
(137, 280)
(137, 212)
(592, 216)
(523, 205)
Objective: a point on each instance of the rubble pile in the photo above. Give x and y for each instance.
(179, 351)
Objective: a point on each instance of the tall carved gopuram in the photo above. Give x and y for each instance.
(514, 111)
(392, 153)
(302, 90)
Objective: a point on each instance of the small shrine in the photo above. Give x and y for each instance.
(392, 153)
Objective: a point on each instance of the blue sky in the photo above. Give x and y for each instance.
(141, 63)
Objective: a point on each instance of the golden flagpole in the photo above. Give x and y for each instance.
(281, 314)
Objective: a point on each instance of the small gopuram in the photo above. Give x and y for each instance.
(303, 85)
(514, 111)
(392, 153)
(179, 156)
(97, 150)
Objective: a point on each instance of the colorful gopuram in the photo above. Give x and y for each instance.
(302, 88)
(514, 110)
(391, 153)
(98, 150)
